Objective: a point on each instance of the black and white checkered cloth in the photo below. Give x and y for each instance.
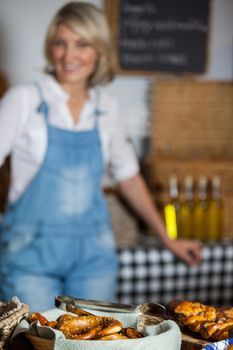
(155, 275)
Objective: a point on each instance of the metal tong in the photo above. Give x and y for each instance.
(149, 309)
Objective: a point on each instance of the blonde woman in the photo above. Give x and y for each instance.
(61, 132)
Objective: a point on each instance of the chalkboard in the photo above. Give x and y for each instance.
(160, 35)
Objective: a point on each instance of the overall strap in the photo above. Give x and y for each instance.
(43, 106)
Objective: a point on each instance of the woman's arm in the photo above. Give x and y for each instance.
(13, 118)
(136, 194)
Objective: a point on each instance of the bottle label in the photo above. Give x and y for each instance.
(170, 220)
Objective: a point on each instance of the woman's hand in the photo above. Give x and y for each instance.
(190, 251)
(136, 193)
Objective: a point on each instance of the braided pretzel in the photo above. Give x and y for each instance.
(209, 322)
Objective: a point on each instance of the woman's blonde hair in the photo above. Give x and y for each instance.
(90, 22)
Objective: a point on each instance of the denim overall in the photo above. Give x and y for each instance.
(57, 237)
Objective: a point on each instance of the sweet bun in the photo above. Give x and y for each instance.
(206, 321)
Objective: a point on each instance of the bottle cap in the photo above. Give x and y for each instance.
(173, 180)
(203, 181)
(173, 184)
(216, 181)
(188, 181)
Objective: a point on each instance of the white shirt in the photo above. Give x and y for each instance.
(23, 131)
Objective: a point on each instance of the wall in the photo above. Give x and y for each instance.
(23, 25)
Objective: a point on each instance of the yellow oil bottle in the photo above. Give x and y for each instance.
(172, 210)
(187, 209)
(201, 229)
(215, 211)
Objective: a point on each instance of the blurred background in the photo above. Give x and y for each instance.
(22, 29)
(181, 126)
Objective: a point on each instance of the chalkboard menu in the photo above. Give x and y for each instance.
(160, 35)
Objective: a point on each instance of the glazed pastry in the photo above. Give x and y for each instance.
(209, 322)
(226, 313)
(224, 332)
(209, 328)
(188, 308)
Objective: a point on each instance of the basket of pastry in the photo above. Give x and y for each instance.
(203, 321)
(11, 313)
(80, 329)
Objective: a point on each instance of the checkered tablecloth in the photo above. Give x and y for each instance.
(154, 275)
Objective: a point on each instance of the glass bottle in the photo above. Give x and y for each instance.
(215, 214)
(187, 209)
(201, 211)
(172, 210)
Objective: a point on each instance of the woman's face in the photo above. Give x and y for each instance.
(74, 59)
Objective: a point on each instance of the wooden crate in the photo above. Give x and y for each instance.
(158, 169)
(192, 118)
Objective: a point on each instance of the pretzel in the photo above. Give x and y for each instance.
(65, 317)
(110, 326)
(79, 323)
(77, 311)
(36, 316)
(52, 324)
(82, 325)
(89, 334)
(114, 336)
(132, 333)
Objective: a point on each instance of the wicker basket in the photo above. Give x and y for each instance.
(11, 313)
(39, 343)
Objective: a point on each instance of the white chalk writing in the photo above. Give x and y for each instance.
(143, 44)
(147, 27)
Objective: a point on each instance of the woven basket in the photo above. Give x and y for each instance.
(11, 313)
(43, 343)
(39, 343)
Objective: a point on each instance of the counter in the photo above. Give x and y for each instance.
(151, 273)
